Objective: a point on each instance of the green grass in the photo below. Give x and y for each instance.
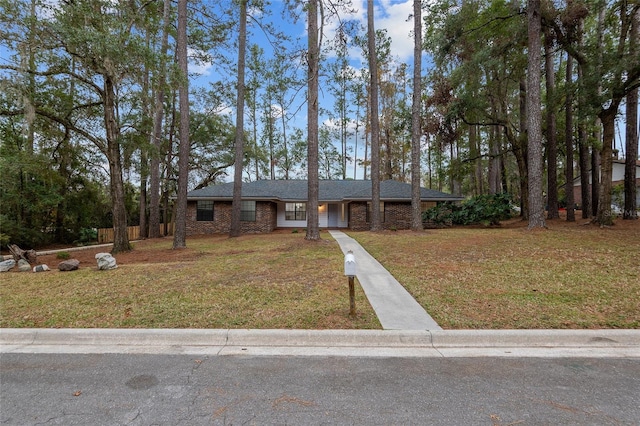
(261, 281)
(569, 276)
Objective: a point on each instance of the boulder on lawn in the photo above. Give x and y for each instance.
(41, 268)
(106, 261)
(69, 265)
(23, 266)
(7, 265)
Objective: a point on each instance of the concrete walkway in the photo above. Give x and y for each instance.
(395, 307)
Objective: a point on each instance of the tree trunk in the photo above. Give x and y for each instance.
(376, 224)
(142, 203)
(116, 185)
(582, 135)
(630, 167)
(521, 152)
(631, 145)
(534, 117)
(568, 171)
(313, 58)
(552, 145)
(239, 142)
(180, 233)
(494, 159)
(583, 144)
(603, 215)
(595, 173)
(416, 130)
(156, 136)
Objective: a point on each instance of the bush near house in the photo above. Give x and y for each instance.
(487, 209)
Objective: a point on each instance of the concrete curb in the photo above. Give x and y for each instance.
(536, 338)
(323, 338)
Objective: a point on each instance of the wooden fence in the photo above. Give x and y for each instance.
(105, 235)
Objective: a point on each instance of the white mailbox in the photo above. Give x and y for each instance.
(350, 264)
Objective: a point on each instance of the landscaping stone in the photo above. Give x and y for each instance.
(24, 266)
(41, 268)
(69, 265)
(7, 265)
(106, 261)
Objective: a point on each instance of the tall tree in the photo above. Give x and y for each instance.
(239, 139)
(180, 232)
(376, 224)
(583, 143)
(551, 130)
(485, 80)
(534, 117)
(568, 168)
(341, 76)
(610, 73)
(416, 114)
(108, 49)
(256, 69)
(156, 135)
(313, 60)
(631, 144)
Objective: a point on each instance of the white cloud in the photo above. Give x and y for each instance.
(390, 15)
(198, 64)
(394, 17)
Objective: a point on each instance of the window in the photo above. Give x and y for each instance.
(426, 205)
(248, 211)
(369, 211)
(295, 211)
(204, 211)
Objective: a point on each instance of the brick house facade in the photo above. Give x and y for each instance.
(221, 224)
(395, 216)
(282, 204)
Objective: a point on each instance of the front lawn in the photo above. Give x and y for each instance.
(255, 281)
(568, 276)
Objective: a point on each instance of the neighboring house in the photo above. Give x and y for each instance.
(617, 179)
(271, 204)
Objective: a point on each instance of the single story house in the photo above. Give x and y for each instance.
(617, 178)
(272, 204)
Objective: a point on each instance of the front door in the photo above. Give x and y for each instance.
(333, 214)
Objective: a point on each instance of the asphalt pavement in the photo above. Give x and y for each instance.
(118, 389)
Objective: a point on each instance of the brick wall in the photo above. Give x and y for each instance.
(358, 217)
(397, 215)
(221, 224)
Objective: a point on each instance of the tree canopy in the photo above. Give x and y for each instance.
(90, 110)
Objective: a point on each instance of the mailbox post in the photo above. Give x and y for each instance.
(350, 271)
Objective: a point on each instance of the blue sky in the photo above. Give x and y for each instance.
(390, 15)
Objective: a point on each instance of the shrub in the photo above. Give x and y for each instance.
(63, 255)
(87, 236)
(484, 209)
(440, 215)
(4, 240)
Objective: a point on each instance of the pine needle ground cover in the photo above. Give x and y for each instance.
(278, 280)
(568, 276)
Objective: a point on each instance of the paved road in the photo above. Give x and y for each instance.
(120, 389)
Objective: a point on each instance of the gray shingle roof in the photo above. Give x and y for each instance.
(329, 190)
